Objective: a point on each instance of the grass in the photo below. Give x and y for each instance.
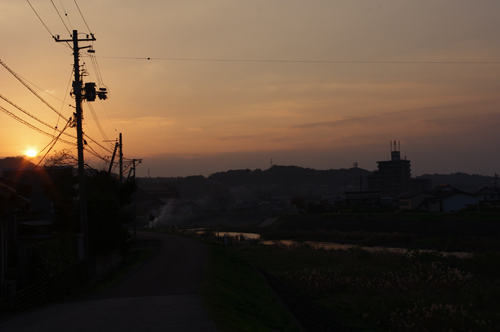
(237, 298)
(384, 291)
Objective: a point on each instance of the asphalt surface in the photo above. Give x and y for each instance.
(161, 295)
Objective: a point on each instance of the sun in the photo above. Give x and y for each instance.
(31, 153)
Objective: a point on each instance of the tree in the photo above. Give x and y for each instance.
(107, 201)
(107, 204)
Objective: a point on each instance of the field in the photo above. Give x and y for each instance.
(390, 292)
(383, 291)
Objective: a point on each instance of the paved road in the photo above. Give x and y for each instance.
(161, 295)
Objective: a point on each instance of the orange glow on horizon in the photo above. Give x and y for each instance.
(31, 153)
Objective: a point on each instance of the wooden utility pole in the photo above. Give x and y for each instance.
(112, 159)
(121, 159)
(135, 206)
(77, 92)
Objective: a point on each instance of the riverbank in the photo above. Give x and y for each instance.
(386, 291)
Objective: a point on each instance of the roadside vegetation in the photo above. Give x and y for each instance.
(368, 291)
(236, 296)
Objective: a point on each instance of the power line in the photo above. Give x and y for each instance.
(32, 126)
(98, 123)
(54, 141)
(33, 91)
(60, 16)
(65, 94)
(51, 34)
(308, 61)
(66, 14)
(34, 117)
(82, 16)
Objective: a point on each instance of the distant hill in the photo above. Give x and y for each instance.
(294, 180)
(463, 181)
(298, 181)
(281, 175)
(15, 162)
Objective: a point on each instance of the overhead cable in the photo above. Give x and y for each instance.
(82, 16)
(34, 117)
(33, 91)
(32, 126)
(51, 34)
(66, 14)
(98, 123)
(60, 16)
(54, 141)
(309, 61)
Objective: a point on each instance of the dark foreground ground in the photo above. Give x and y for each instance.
(161, 295)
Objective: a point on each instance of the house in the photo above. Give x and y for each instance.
(446, 198)
(11, 203)
(367, 198)
(488, 195)
(50, 191)
(410, 200)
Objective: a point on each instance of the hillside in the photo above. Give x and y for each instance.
(463, 181)
(15, 162)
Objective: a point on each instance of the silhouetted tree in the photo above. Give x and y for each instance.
(107, 211)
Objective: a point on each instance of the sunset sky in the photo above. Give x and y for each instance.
(234, 84)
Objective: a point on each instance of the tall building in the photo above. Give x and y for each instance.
(393, 176)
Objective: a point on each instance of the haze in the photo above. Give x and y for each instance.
(346, 77)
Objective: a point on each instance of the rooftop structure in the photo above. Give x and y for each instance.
(393, 176)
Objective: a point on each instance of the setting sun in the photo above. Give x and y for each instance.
(31, 153)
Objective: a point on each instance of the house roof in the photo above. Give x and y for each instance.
(487, 191)
(412, 193)
(445, 190)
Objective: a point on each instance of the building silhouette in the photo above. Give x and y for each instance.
(393, 176)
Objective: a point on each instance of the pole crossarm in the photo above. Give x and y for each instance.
(73, 39)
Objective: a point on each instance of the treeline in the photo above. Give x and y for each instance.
(283, 175)
(462, 181)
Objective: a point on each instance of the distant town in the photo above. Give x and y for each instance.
(292, 189)
(39, 206)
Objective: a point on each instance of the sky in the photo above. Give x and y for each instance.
(247, 84)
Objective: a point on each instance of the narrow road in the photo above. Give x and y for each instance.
(161, 295)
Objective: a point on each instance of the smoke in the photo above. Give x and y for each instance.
(162, 216)
(169, 214)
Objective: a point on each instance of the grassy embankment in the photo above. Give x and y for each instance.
(379, 291)
(237, 298)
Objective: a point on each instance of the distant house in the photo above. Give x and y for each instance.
(488, 194)
(368, 198)
(410, 200)
(446, 198)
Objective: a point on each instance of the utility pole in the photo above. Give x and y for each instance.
(112, 159)
(121, 159)
(135, 207)
(90, 94)
(77, 92)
